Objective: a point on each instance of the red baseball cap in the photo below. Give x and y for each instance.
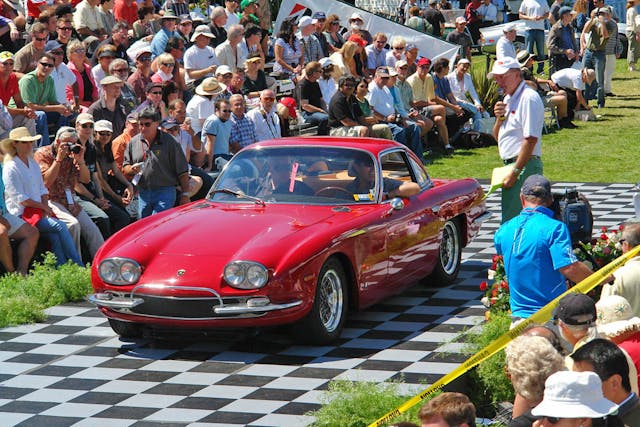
(291, 105)
(424, 61)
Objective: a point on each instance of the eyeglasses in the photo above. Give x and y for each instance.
(146, 124)
(65, 28)
(41, 39)
(226, 111)
(155, 93)
(168, 64)
(87, 126)
(105, 133)
(144, 59)
(46, 65)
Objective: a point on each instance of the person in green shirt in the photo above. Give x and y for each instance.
(38, 93)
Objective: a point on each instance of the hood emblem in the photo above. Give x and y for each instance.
(180, 273)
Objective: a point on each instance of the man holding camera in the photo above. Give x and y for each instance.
(62, 165)
(595, 34)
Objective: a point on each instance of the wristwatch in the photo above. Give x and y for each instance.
(184, 194)
(517, 171)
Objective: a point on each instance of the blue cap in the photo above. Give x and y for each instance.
(563, 10)
(169, 123)
(536, 185)
(52, 45)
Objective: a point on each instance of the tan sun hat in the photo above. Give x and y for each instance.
(17, 134)
(210, 86)
(615, 316)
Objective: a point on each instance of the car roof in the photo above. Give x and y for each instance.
(372, 145)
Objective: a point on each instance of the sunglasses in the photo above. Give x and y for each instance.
(398, 48)
(46, 65)
(8, 63)
(87, 126)
(348, 85)
(269, 98)
(169, 64)
(56, 52)
(105, 133)
(41, 39)
(121, 70)
(144, 59)
(65, 28)
(226, 111)
(335, 23)
(155, 93)
(82, 51)
(552, 420)
(146, 124)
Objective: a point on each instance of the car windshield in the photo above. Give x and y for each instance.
(310, 175)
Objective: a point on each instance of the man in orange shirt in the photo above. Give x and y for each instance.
(126, 10)
(119, 144)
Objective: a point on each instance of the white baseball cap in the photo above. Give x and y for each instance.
(503, 66)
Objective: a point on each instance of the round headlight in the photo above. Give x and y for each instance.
(234, 274)
(130, 272)
(257, 275)
(108, 271)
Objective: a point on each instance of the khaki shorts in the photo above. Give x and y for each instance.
(14, 223)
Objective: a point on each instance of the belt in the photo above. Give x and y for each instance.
(513, 159)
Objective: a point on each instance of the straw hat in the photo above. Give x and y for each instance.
(17, 134)
(209, 86)
(615, 316)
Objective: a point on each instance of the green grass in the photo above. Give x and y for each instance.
(23, 299)
(600, 151)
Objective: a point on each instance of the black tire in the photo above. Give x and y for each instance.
(126, 329)
(449, 255)
(325, 321)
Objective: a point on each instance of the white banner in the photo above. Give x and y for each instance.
(429, 47)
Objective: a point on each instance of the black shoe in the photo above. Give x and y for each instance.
(567, 124)
(610, 94)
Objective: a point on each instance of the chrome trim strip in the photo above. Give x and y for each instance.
(244, 309)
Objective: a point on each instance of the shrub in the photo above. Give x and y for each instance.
(487, 88)
(356, 404)
(23, 299)
(488, 381)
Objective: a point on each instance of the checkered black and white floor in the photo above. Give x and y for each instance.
(73, 370)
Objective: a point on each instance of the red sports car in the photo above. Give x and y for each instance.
(294, 231)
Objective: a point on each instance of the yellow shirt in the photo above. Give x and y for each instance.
(423, 90)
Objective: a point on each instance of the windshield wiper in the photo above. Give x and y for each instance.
(239, 194)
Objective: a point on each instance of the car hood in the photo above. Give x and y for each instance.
(228, 230)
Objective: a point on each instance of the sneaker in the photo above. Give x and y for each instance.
(449, 149)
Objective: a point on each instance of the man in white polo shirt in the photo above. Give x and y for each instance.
(200, 59)
(518, 129)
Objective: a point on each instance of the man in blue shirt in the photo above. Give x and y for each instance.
(537, 251)
(168, 30)
(216, 132)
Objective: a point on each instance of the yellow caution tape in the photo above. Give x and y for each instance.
(540, 316)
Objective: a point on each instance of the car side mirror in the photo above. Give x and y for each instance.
(396, 204)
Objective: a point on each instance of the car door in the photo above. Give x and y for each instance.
(412, 232)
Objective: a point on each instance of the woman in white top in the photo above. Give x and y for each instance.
(24, 188)
(287, 50)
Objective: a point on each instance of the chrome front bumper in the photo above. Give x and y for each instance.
(187, 308)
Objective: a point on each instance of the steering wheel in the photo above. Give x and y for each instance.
(338, 189)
